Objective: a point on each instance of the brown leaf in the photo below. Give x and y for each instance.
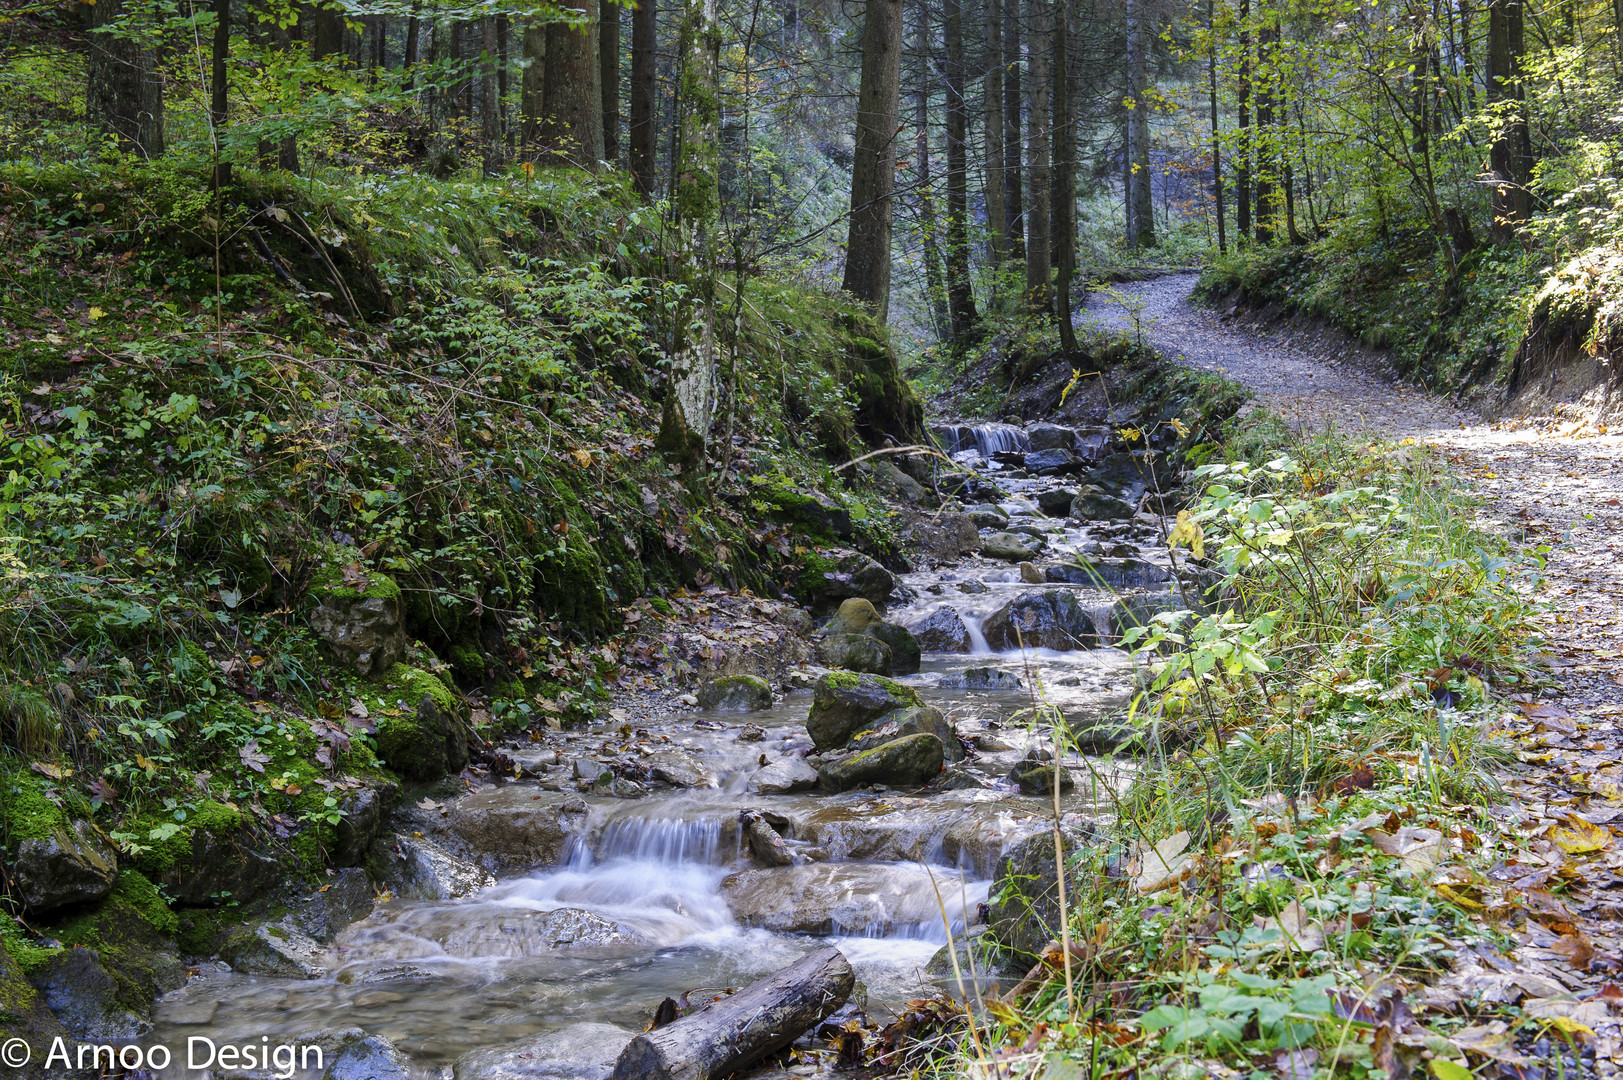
(1577, 950)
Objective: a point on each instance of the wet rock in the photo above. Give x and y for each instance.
(845, 704)
(1110, 573)
(972, 587)
(510, 828)
(1099, 735)
(856, 575)
(928, 720)
(752, 733)
(991, 744)
(981, 678)
(942, 631)
(1025, 912)
(358, 619)
(75, 864)
(274, 948)
(784, 777)
(960, 779)
(1056, 502)
(1035, 774)
(943, 537)
(1012, 547)
(429, 740)
(987, 516)
(617, 786)
(855, 652)
(1041, 619)
(1097, 506)
(1031, 575)
(910, 761)
(825, 898)
(898, 484)
(417, 868)
(679, 769)
(855, 616)
(1057, 462)
(976, 841)
(364, 812)
(577, 1052)
(1051, 437)
(904, 647)
(578, 928)
(86, 998)
(897, 828)
(1128, 473)
(346, 898)
(763, 840)
(977, 955)
(367, 1057)
(735, 693)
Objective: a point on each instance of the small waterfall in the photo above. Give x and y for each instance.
(985, 439)
(706, 841)
(977, 639)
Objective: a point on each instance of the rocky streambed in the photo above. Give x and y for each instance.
(865, 799)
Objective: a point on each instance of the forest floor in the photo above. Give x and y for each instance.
(1549, 483)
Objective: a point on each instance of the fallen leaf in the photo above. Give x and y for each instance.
(1580, 837)
(1165, 865)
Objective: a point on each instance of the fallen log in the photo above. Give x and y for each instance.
(729, 1034)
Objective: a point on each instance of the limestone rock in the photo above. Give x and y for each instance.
(577, 1052)
(844, 704)
(679, 769)
(898, 484)
(513, 827)
(763, 840)
(1097, 506)
(418, 868)
(274, 948)
(1035, 774)
(365, 811)
(1011, 547)
(85, 997)
(359, 621)
(346, 898)
(823, 898)
(1026, 912)
(942, 631)
(73, 865)
(910, 761)
(943, 537)
(988, 516)
(784, 777)
(904, 647)
(856, 652)
(982, 678)
(1056, 502)
(367, 1057)
(1041, 619)
(735, 693)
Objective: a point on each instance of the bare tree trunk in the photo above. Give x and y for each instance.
(490, 117)
(997, 227)
(643, 72)
(1504, 92)
(442, 100)
(924, 180)
(1064, 196)
(873, 171)
(960, 293)
(1140, 193)
(609, 79)
(572, 112)
(532, 88)
(690, 398)
(1217, 143)
(504, 64)
(124, 95)
(1039, 255)
(1013, 100)
(1267, 197)
(326, 32)
(414, 40)
(1242, 168)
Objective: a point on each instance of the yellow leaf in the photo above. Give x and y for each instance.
(582, 458)
(1179, 426)
(1579, 837)
(1571, 1028)
(1188, 531)
(143, 762)
(96, 313)
(1130, 434)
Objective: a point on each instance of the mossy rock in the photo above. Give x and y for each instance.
(845, 703)
(735, 693)
(421, 735)
(1025, 913)
(905, 655)
(213, 857)
(133, 934)
(26, 811)
(910, 761)
(361, 623)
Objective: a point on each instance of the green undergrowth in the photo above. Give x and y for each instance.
(441, 395)
(1306, 833)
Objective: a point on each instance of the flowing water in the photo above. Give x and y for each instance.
(893, 872)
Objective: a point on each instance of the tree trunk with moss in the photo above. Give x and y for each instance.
(690, 399)
(873, 170)
(1039, 254)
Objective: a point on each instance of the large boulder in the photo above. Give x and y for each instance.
(1109, 573)
(783, 777)
(910, 761)
(1127, 473)
(987, 516)
(943, 537)
(276, 948)
(735, 693)
(855, 652)
(73, 864)
(679, 769)
(1025, 912)
(904, 647)
(414, 867)
(512, 827)
(577, 1052)
(367, 1057)
(1051, 437)
(981, 678)
(899, 485)
(1055, 462)
(1097, 506)
(1012, 547)
(824, 898)
(943, 630)
(855, 574)
(214, 858)
(357, 615)
(929, 720)
(86, 998)
(844, 704)
(812, 510)
(855, 616)
(364, 812)
(346, 898)
(422, 736)
(1041, 619)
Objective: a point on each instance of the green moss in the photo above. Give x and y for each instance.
(468, 662)
(132, 932)
(15, 942)
(174, 852)
(409, 684)
(379, 586)
(25, 811)
(661, 605)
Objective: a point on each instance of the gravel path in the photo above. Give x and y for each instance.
(1548, 482)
